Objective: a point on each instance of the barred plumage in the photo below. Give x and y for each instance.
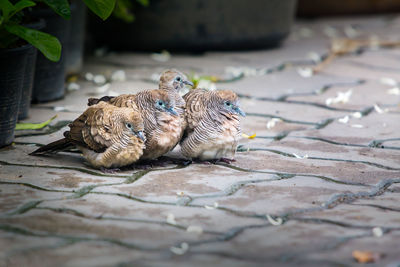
(161, 126)
(108, 136)
(213, 127)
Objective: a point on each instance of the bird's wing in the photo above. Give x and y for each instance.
(195, 107)
(92, 129)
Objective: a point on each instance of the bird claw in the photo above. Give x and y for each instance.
(109, 171)
(227, 161)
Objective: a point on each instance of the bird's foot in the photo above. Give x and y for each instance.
(109, 170)
(226, 160)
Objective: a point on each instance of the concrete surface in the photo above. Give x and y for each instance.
(309, 189)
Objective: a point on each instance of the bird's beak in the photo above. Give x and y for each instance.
(172, 111)
(240, 112)
(188, 83)
(140, 134)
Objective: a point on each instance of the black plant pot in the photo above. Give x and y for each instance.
(50, 76)
(12, 71)
(74, 58)
(199, 25)
(26, 95)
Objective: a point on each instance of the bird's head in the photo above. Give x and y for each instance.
(163, 102)
(173, 79)
(132, 124)
(228, 103)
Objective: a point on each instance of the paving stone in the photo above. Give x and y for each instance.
(330, 180)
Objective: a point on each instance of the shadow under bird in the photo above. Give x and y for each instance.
(108, 136)
(213, 126)
(157, 108)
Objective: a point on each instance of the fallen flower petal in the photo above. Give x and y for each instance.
(344, 120)
(394, 91)
(171, 219)
(277, 221)
(305, 72)
(388, 81)
(366, 256)
(272, 122)
(180, 250)
(249, 136)
(357, 126)
(377, 231)
(194, 229)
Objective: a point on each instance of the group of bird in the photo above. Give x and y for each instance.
(117, 131)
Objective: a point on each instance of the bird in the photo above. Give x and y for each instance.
(157, 108)
(109, 137)
(213, 126)
(173, 81)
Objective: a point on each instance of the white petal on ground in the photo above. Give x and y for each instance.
(341, 97)
(58, 108)
(207, 84)
(306, 32)
(103, 89)
(195, 229)
(277, 221)
(351, 32)
(377, 231)
(73, 87)
(394, 91)
(184, 247)
(212, 207)
(344, 120)
(118, 76)
(357, 115)
(164, 56)
(89, 76)
(378, 109)
(305, 72)
(300, 157)
(171, 219)
(388, 81)
(99, 79)
(357, 126)
(331, 32)
(272, 122)
(314, 56)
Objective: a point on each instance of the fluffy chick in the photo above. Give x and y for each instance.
(157, 108)
(108, 136)
(213, 126)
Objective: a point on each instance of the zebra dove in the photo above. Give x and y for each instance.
(213, 127)
(108, 136)
(161, 127)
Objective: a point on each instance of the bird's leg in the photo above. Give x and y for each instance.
(226, 160)
(109, 170)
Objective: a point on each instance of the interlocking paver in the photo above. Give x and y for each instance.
(308, 189)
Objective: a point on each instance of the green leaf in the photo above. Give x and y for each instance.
(46, 43)
(101, 8)
(6, 8)
(33, 126)
(21, 5)
(143, 2)
(122, 10)
(61, 7)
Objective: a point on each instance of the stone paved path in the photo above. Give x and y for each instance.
(316, 184)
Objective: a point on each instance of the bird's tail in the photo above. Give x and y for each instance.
(94, 101)
(53, 147)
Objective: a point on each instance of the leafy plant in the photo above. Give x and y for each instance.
(10, 30)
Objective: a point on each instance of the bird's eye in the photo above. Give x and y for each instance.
(228, 103)
(178, 79)
(160, 103)
(128, 125)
